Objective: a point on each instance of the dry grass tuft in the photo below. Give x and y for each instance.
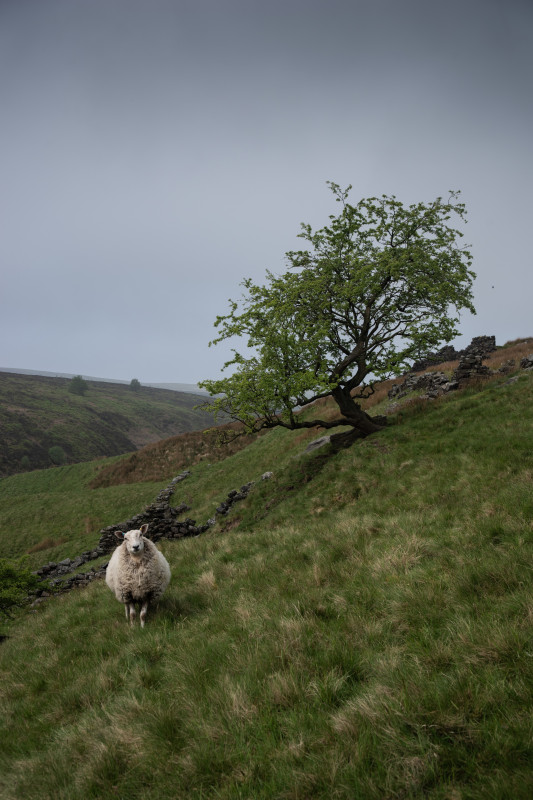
(282, 689)
(403, 557)
(238, 707)
(207, 582)
(374, 704)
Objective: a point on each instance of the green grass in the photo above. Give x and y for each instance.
(56, 507)
(360, 627)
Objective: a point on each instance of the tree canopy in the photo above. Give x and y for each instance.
(379, 286)
(78, 385)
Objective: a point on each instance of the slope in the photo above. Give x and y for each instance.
(360, 626)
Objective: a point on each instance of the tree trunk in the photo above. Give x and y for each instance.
(362, 424)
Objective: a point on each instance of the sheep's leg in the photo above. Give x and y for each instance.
(144, 609)
(126, 606)
(132, 614)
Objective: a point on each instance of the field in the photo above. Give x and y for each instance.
(361, 626)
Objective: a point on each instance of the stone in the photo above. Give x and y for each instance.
(322, 442)
(471, 366)
(483, 345)
(507, 366)
(434, 384)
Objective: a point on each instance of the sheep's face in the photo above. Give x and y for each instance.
(134, 541)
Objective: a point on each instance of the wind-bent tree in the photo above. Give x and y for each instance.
(379, 286)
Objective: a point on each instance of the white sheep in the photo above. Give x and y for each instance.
(137, 573)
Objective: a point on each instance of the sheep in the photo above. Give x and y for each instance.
(137, 573)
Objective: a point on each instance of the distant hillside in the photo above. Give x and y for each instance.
(42, 423)
(176, 387)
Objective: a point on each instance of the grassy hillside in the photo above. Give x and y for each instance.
(51, 514)
(156, 461)
(361, 626)
(38, 413)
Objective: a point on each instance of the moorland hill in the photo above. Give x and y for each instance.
(43, 424)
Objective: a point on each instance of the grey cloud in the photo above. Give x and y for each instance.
(154, 154)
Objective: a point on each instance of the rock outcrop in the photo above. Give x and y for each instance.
(471, 366)
(480, 345)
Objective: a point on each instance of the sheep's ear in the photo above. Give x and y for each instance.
(119, 534)
(144, 528)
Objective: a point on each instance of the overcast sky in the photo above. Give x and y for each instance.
(153, 153)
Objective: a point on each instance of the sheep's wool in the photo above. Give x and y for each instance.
(138, 578)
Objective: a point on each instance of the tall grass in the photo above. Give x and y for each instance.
(52, 514)
(364, 629)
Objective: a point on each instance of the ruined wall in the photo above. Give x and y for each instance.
(163, 522)
(480, 345)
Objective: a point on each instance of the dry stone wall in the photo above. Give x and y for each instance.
(470, 366)
(434, 383)
(163, 522)
(480, 345)
(160, 516)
